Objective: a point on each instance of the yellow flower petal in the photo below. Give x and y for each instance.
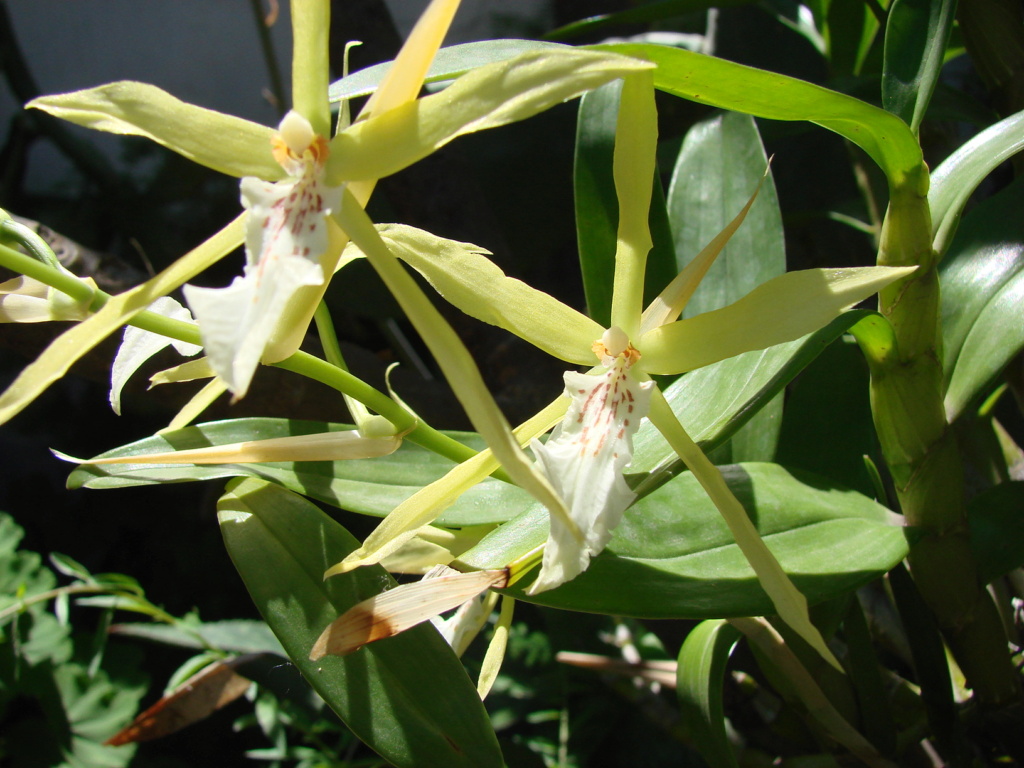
(224, 143)
(785, 308)
(463, 275)
(487, 97)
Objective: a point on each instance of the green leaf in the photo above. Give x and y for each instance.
(719, 83)
(224, 143)
(983, 298)
(915, 45)
(597, 207)
(721, 163)
(997, 530)
(713, 402)
(956, 178)
(408, 697)
(820, 438)
(235, 635)
(450, 62)
(368, 486)
(699, 679)
(673, 555)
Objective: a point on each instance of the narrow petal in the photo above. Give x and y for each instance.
(669, 304)
(311, 24)
(423, 507)
(405, 77)
(191, 370)
(785, 308)
(138, 346)
(585, 459)
(195, 407)
(463, 275)
(398, 609)
(636, 141)
(224, 143)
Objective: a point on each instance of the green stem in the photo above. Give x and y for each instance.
(27, 239)
(53, 276)
(923, 456)
(300, 362)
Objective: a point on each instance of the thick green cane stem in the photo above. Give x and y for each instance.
(922, 454)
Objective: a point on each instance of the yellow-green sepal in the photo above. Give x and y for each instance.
(783, 309)
(488, 97)
(224, 143)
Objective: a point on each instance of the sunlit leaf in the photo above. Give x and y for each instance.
(719, 83)
(956, 178)
(673, 556)
(983, 298)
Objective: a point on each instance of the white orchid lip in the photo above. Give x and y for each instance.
(287, 236)
(587, 455)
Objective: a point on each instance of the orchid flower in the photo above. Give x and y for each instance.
(292, 177)
(590, 449)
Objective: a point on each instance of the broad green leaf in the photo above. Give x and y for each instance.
(817, 436)
(224, 143)
(713, 402)
(722, 161)
(408, 697)
(783, 309)
(673, 556)
(234, 635)
(916, 34)
(700, 676)
(450, 62)
(956, 178)
(76, 342)
(997, 530)
(368, 486)
(720, 83)
(983, 298)
(488, 97)
(597, 208)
